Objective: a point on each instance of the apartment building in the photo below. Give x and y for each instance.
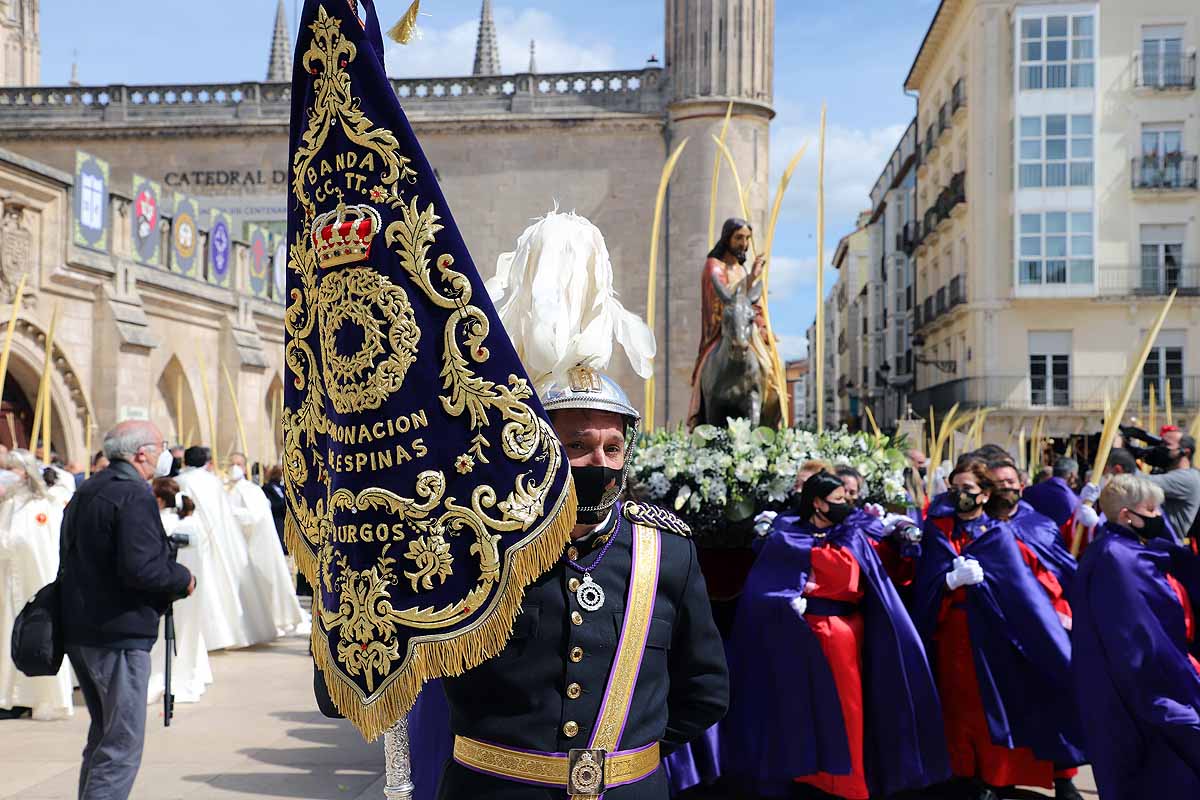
(857, 298)
(893, 237)
(1057, 202)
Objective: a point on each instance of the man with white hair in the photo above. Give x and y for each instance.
(118, 576)
(1137, 681)
(252, 510)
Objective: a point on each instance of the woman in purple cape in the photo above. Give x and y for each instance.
(830, 685)
(1136, 674)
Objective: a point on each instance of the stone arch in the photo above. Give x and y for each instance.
(69, 405)
(274, 418)
(176, 401)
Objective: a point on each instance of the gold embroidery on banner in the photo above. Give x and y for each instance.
(364, 627)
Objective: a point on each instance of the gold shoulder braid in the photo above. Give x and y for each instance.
(655, 517)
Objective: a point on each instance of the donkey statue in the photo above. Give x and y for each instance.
(732, 381)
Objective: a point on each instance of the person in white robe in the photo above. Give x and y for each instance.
(253, 510)
(29, 529)
(191, 672)
(229, 549)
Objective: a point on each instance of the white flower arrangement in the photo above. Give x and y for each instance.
(714, 476)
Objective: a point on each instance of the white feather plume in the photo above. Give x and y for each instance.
(555, 296)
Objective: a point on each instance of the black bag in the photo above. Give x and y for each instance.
(37, 636)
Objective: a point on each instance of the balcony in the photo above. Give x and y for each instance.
(939, 305)
(958, 97)
(958, 290)
(958, 192)
(1169, 72)
(1174, 172)
(1157, 280)
(1023, 393)
(908, 238)
(930, 141)
(943, 118)
(929, 224)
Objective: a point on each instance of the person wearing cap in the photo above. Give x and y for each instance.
(827, 668)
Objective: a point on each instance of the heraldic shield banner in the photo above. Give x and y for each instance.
(426, 488)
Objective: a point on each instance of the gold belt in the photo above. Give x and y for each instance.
(583, 772)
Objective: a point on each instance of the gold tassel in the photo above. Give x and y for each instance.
(405, 30)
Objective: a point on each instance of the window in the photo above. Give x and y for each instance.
(1165, 363)
(1055, 150)
(1162, 155)
(1162, 55)
(1162, 258)
(1055, 248)
(1050, 368)
(1058, 52)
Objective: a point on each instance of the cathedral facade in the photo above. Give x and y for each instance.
(204, 359)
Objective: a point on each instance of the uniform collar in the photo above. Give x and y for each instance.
(600, 534)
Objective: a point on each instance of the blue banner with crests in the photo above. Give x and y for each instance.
(425, 485)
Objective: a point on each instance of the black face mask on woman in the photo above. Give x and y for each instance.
(964, 502)
(837, 512)
(596, 488)
(1152, 527)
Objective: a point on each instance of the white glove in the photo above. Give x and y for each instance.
(800, 604)
(875, 510)
(1090, 493)
(966, 572)
(902, 527)
(1087, 516)
(764, 521)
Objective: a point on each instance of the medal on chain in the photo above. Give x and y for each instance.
(589, 595)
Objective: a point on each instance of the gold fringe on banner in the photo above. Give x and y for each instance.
(393, 699)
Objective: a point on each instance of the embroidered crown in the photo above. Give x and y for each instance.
(344, 235)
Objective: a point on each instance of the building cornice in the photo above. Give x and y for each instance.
(935, 36)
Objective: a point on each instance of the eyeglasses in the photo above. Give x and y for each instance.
(163, 445)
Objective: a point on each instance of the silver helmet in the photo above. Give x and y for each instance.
(589, 389)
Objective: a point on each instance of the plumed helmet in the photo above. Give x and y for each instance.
(587, 388)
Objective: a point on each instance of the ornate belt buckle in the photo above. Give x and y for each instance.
(585, 772)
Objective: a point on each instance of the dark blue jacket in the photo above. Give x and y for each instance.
(118, 572)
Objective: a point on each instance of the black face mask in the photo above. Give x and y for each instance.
(963, 502)
(1152, 527)
(1003, 501)
(597, 488)
(837, 512)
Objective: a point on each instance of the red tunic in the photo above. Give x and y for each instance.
(1189, 616)
(836, 573)
(900, 569)
(972, 752)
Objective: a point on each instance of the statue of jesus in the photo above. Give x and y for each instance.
(726, 263)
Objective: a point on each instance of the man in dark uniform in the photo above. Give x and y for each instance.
(522, 719)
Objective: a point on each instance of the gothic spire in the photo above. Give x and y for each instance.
(279, 66)
(532, 57)
(487, 53)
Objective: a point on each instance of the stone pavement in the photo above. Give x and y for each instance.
(256, 733)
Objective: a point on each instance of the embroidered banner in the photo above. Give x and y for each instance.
(425, 485)
(220, 248)
(185, 238)
(260, 260)
(91, 202)
(147, 198)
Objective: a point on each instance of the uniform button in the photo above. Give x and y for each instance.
(572, 553)
(573, 584)
(576, 654)
(576, 618)
(574, 690)
(571, 728)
